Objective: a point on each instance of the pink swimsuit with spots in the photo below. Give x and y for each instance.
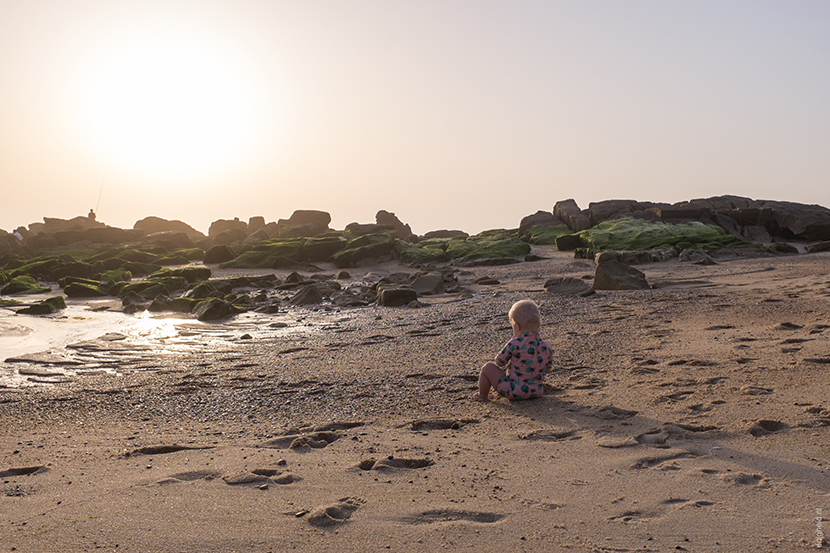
(528, 358)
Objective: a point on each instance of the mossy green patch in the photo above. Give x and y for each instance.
(191, 274)
(8, 303)
(544, 235)
(638, 235)
(419, 254)
(45, 307)
(117, 275)
(368, 247)
(472, 248)
(495, 234)
(172, 260)
(4, 278)
(84, 290)
(65, 281)
(137, 256)
(314, 250)
(23, 284)
(191, 254)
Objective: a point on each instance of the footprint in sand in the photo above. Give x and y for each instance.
(549, 435)
(743, 479)
(452, 515)
(190, 476)
(658, 460)
(23, 471)
(755, 390)
(441, 424)
(394, 463)
(304, 442)
(764, 427)
(161, 449)
(261, 477)
(335, 514)
(609, 412)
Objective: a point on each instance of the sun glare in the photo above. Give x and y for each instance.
(169, 107)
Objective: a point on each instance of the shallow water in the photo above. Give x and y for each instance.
(145, 336)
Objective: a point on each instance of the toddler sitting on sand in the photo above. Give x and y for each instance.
(527, 357)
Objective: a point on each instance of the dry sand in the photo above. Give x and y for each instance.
(691, 417)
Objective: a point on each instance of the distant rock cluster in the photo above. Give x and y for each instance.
(87, 258)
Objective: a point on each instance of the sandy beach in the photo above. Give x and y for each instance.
(690, 417)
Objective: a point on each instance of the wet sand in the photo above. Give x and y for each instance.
(691, 417)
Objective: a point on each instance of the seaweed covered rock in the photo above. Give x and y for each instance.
(425, 251)
(639, 235)
(45, 307)
(23, 284)
(544, 235)
(152, 225)
(482, 250)
(191, 274)
(84, 290)
(365, 249)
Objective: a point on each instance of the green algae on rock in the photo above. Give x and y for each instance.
(544, 235)
(45, 307)
(639, 235)
(23, 284)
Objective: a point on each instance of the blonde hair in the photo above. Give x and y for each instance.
(525, 313)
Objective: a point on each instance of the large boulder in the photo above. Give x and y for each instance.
(170, 239)
(567, 286)
(306, 217)
(215, 309)
(363, 250)
(449, 234)
(613, 275)
(152, 225)
(307, 295)
(388, 219)
(219, 254)
(83, 290)
(23, 284)
(570, 214)
(392, 295)
(221, 225)
(431, 283)
(541, 219)
(45, 307)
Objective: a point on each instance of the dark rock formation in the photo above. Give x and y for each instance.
(544, 219)
(392, 295)
(45, 307)
(613, 275)
(221, 225)
(306, 217)
(446, 234)
(387, 219)
(570, 214)
(152, 225)
(219, 254)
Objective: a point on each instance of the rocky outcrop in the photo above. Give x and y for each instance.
(446, 234)
(152, 225)
(387, 219)
(761, 221)
(569, 213)
(544, 219)
(306, 217)
(221, 225)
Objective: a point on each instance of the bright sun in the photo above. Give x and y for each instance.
(169, 107)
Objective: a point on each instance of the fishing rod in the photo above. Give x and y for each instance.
(100, 192)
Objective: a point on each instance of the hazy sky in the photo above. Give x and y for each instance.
(450, 113)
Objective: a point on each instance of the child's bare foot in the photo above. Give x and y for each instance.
(478, 397)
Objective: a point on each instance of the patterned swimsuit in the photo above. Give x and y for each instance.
(528, 358)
